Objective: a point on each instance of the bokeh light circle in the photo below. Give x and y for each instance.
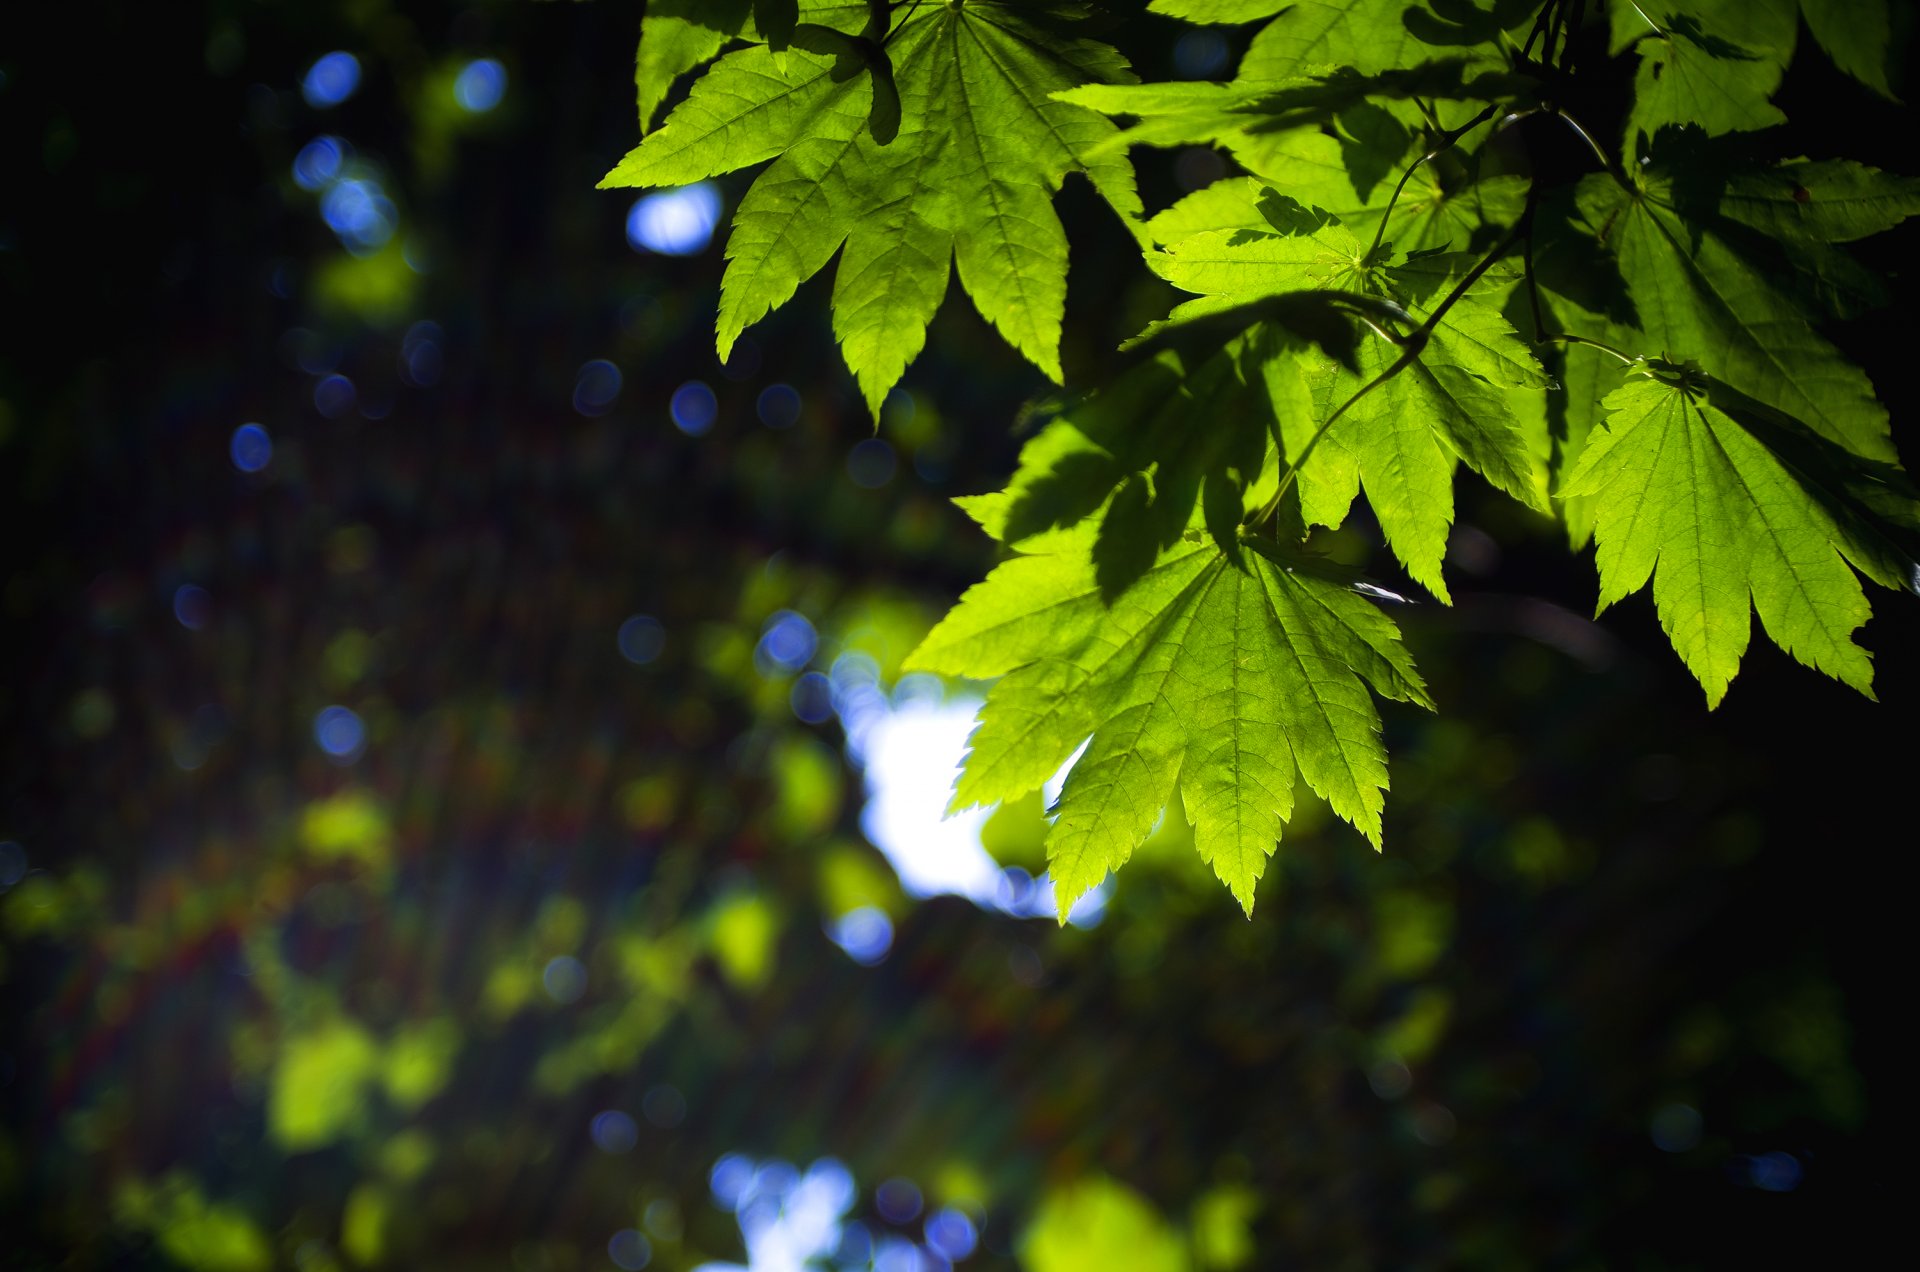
(332, 79)
(595, 386)
(340, 733)
(13, 863)
(812, 698)
(641, 639)
(480, 85)
(250, 448)
(951, 1233)
(694, 408)
(787, 642)
(319, 163)
(629, 1250)
(871, 463)
(866, 934)
(778, 406)
(564, 978)
(898, 1200)
(192, 607)
(614, 1131)
(334, 396)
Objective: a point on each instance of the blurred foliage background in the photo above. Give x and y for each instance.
(452, 723)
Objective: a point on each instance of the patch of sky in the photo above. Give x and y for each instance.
(675, 222)
(910, 744)
(789, 1220)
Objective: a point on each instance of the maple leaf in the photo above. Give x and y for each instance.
(675, 37)
(1711, 63)
(1217, 678)
(1718, 509)
(1218, 12)
(1858, 36)
(962, 175)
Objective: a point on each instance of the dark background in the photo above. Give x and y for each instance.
(1613, 903)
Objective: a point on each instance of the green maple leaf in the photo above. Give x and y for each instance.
(1858, 36)
(1825, 201)
(675, 37)
(1218, 12)
(1726, 518)
(1312, 36)
(1401, 440)
(963, 176)
(1216, 678)
(1712, 63)
(1698, 295)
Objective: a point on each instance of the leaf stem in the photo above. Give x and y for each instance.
(1410, 347)
(901, 25)
(1447, 141)
(1601, 345)
(1587, 137)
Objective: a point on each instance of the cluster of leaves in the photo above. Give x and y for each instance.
(1426, 260)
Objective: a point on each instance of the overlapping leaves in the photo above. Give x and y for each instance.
(958, 170)
(1400, 440)
(1757, 472)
